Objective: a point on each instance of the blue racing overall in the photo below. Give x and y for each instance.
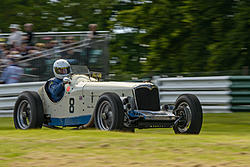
(56, 89)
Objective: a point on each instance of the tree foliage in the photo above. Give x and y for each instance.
(192, 35)
(174, 36)
(63, 15)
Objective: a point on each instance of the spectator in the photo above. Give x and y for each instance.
(12, 73)
(15, 38)
(40, 46)
(2, 50)
(92, 35)
(29, 34)
(71, 54)
(37, 66)
(70, 39)
(92, 29)
(53, 43)
(4, 53)
(23, 49)
(14, 52)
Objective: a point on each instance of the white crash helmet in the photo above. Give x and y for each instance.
(61, 69)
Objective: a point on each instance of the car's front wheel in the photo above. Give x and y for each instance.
(109, 114)
(28, 111)
(189, 111)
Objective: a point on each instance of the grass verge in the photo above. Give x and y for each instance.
(224, 141)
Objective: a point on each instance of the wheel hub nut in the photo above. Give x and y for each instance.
(104, 116)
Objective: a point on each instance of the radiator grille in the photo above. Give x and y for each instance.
(147, 99)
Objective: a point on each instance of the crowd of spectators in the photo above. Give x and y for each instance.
(16, 48)
(20, 46)
(17, 45)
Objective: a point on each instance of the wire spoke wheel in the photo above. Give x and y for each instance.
(188, 110)
(28, 111)
(24, 114)
(105, 115)
(109, 114)
(184, 112)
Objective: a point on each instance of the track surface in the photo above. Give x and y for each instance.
(224, 141)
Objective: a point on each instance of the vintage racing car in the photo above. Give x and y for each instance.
(121, 106)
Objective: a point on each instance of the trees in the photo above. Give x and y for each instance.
(232, 50)
(184, 36)
(63, 15)
(180, 36)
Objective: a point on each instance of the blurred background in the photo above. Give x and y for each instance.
(126, 39)
(196, 47)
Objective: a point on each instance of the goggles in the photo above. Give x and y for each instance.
(62, 70)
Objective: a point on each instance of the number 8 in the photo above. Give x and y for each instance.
(71, 105)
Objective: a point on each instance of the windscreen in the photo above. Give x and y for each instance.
(78, 69)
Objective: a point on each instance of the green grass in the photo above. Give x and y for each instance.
(224, 141)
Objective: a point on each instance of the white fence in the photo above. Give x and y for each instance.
(213, 92)
(9, 93)
(81, 34)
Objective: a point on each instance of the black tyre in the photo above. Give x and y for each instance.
(28, 111)
(188, 108)
(109, 114)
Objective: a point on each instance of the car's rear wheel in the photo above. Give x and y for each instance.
(189, 111)
(109, 114)
(28, 111)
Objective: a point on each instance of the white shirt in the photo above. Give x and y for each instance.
(15, 37)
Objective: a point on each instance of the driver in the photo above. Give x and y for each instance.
(61, 69)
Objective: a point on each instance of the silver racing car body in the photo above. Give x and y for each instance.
(121, 106)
